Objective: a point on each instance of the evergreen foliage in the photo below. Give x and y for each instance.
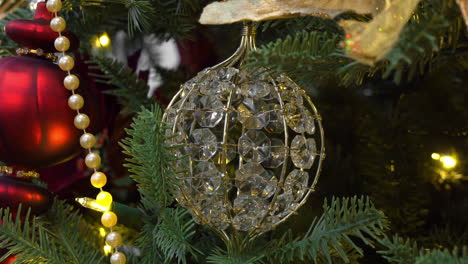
(307, 48)
(150, 160)
(131, 91)
(435, 26)
(60, 237)
(332, 232)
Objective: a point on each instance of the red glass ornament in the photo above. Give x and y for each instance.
(36, 33)
(36, 123)
(14, 192)
(8, 260)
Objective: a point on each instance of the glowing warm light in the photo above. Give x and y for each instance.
(104, 40)
(107, 249)
(448, 162)
(92, 204)
(435, 156)
(102, 232)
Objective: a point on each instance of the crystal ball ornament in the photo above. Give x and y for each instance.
(250, 146)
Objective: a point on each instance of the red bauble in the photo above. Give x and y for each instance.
(8, 260)
(14, 192)
(36, 123)
(36, 33)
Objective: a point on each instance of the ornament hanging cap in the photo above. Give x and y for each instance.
(36, 33)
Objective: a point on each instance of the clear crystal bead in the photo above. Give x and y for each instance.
(254, 146)
(303, 152)
(277, 156)
(202, 144)
(254, 180)
(274, 118)
(214, 211)
(216, 87)
(191, 103)
(212, 111)
(226, 153)
(284, 205)
(251, 114)
(249, 211)
(256, 89)
(185, 121)
(207, 178)
(299, 119)
(296, 184)
(227, 74)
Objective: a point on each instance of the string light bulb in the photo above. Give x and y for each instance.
(103, 40)
(448, 162)
(107, 250)
(92, 204)
(102, 232)
(435, 156)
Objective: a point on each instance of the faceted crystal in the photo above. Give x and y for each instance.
(303, 152)
(299, 119)
(191, 103)
(202, 144)
(227, 74)
(216, 87)
(254, 180)
(212, 111)
(213, 211)
(249, 211)
(274, 118)
(254, 146)
(277, 156)
(296, 184)
(208, 178)
(284, 205)
(251, 114)
(226, 153)
(256, 89)
(290, 96)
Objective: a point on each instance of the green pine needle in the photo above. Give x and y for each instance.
(150, 160)
(61, 237)
(342, 220)
(131, 91)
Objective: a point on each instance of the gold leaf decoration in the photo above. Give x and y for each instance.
(256, 10)
(369, 42)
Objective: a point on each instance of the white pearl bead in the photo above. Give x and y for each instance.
(93, 160)
(81, 121)
(58, 24)
(66, 63)
(87, 140)
(54, 5)
(114, 239)
(71, 82)
(62, 43)
(118, 258)
(75, 102)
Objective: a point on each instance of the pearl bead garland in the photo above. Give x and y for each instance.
(82, 121)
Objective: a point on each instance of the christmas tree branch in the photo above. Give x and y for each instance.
(315, 55)
(403, 251)
(61, 235)
(150, 160)
(131, 91)
(333, 231)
